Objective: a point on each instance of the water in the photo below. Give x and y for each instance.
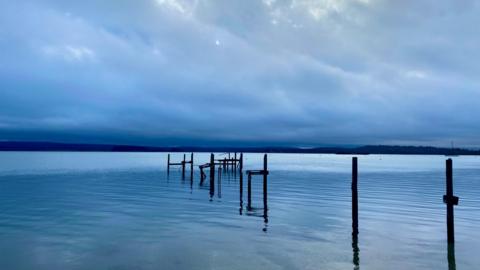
(120, 211)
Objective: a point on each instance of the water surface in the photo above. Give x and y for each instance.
(63, 210)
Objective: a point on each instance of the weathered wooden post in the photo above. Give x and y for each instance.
(249, 191)
(219, 182)
(212, 175)
(354, 195)
(241, 162)
(241, 190)
(265, 173)
(228, 162)
(168, 164)
(191, 167)
(183, 166)
(450, 200)
(234, 164)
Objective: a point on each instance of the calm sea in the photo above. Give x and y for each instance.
(63, 210)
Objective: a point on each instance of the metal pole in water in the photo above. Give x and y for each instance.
(354, 195)
(450, 200)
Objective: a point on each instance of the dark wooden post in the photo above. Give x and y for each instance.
(241, 190)
(219, 182)
(450, 200)
(234, 164)
(183, 166)
(354, 195)
(168, 164)
(191, 167)
(212, 175)
(265, 173)
(241, 162)
(249, 191)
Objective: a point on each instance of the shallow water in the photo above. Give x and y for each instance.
(61, 210)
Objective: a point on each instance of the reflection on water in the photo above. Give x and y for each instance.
(451, 257)
(121, 211)
(356, 251)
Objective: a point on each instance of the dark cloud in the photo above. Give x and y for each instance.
(298, 72)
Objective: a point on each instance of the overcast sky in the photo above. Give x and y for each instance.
(276, 72)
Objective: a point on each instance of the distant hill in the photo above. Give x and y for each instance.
(362, 150)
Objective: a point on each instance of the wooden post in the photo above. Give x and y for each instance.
(450, 200)
(183, 166)
(241, 190)
(235, 164)
(241, 162)
(212, 175)
(191, 167)
(168, 164)
(228, 163)
(265, 172)
(219, 182)
(354, 195)
(249, 191)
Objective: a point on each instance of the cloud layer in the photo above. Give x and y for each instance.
(296, 72)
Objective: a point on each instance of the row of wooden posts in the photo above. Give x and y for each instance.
(230, 164)
(234, 164)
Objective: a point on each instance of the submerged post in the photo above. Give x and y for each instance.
(265, 173)
(354, 195)
(168, 164)
(212, 175)
(450, 200)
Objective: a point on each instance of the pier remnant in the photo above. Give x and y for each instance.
(168, 164)
(354, 195)
(181, 163)
(450, 200)
(263, 172)
(212, 175)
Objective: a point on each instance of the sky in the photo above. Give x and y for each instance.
(219, 72)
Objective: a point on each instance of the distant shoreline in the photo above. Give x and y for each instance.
(10, 146)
